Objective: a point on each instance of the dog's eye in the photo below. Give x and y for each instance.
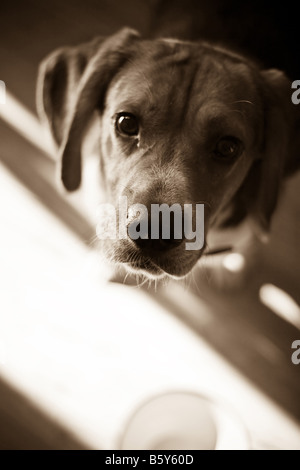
(228, 148)
(127, 124)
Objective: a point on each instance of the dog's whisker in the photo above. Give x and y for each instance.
(237, 111)
(190, 279)
(125, 277)
(243, 101)
(206, 203)
(194, 282)
(93, 240)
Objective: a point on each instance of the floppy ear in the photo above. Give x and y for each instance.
(71, 83)
(276, 145)
(279, 156)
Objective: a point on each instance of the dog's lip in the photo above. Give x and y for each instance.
(160, 266)
(151, 268)
(145, 265)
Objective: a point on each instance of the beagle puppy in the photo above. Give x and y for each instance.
(177, 122)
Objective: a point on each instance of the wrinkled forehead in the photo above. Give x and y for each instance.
(187, 79)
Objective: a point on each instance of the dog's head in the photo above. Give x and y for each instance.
(179, 123)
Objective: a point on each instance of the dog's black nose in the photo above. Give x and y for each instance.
(158, 235)
(160, 244)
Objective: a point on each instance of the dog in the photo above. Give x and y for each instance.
(178, 122)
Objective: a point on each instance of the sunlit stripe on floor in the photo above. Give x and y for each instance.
(234, 262)
(280, 303)
(26, 124)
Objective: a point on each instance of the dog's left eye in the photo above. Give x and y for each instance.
(228, 148)
(127, 124)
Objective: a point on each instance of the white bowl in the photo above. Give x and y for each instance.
(184, 421)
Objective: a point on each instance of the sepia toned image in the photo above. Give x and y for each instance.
(150, 227)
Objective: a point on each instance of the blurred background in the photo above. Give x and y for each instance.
(79, 348)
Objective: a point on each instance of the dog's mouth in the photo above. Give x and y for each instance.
(174, 264)
(158, 268)
(144, 266)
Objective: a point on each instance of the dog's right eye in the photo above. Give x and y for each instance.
(127, 124)
(228, 148)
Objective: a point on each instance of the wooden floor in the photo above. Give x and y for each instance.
(246, 333)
